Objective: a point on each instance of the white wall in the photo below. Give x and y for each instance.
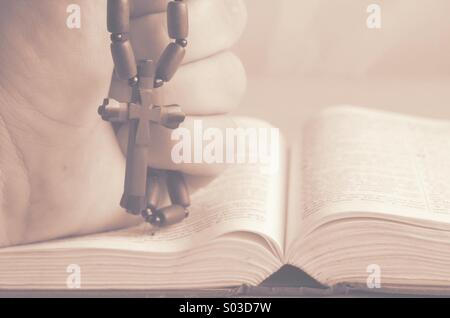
(329, 38)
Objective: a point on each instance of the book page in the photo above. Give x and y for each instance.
(357, 160)
(294, 198)
(244, 198)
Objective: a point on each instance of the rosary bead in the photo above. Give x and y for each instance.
(177, 20)
(153, 191)
(154, 220)
(182, 42)
(147, 213)
(168, 216)
(118, 16)
(119, 37)
(172, 116)
(133, 81)
(178, 190)
(170, 61)
(158, 83)
(124, 60)
(113, 111)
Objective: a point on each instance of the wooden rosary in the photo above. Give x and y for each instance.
(142, 190)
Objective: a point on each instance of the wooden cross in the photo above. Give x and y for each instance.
(140, 115)
(143, 114)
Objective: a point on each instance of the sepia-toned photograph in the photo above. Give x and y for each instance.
(225, 149)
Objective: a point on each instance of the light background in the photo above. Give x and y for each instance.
(302, 55)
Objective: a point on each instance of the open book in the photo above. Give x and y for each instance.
(363, 193)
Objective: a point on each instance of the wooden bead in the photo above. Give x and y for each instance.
(118, 16)
(132, 82)
(119, 37)
(113, 111)
(168, 216)
(158, 83)
(177, 188)
(182, 42)
(153, 191)
(123, 57)
(172, 116)
(170, 61)
(177, 20)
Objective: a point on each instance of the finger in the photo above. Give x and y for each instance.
(211, 86)
(214, 27)
(141, 8)
(207, 87)
(165, 145)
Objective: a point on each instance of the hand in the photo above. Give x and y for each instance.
(61, 168)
